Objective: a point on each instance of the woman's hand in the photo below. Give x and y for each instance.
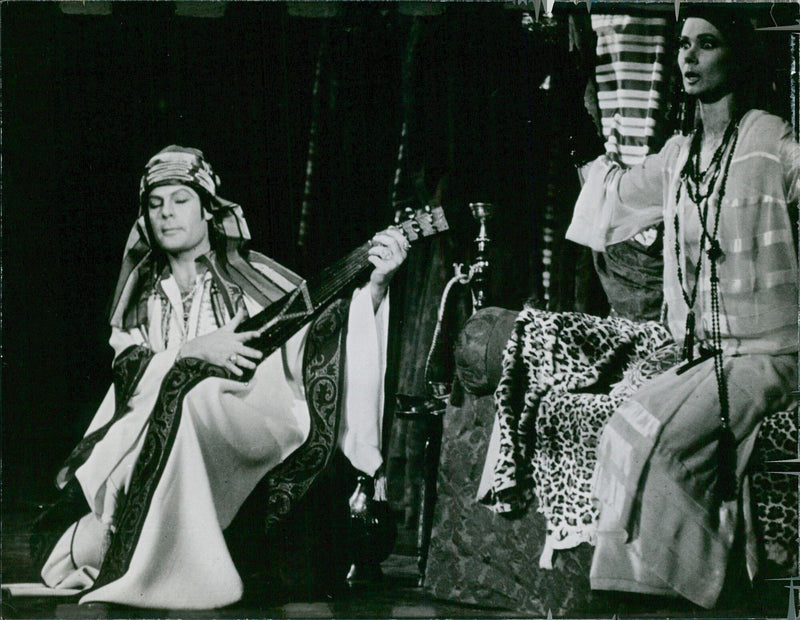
(389, 250)
(224, 347)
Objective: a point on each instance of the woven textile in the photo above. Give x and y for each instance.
(631, 76)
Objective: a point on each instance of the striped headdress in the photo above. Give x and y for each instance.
(177, 164)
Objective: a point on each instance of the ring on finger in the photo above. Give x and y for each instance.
(234, 358)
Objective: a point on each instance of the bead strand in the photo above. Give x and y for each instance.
(693, 179)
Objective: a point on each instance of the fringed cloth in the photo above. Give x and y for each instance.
(564, 376)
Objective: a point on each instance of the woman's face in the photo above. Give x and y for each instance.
(704, 58)
(178, 221)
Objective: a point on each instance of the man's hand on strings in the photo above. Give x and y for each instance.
(389, 250)
(224, 347)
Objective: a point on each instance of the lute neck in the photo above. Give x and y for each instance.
(332, 280)
(278, 321)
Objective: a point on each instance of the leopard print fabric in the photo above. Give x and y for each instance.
(775, 494)
(563, 375)
(554, 397)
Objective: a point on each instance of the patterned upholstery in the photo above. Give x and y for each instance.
(480, 557)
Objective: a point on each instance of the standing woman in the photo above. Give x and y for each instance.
(670, 476)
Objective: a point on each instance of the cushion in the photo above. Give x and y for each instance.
(479, 349)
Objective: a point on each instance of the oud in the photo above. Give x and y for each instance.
(284, 317)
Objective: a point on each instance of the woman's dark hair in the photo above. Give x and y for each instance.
(753, 68)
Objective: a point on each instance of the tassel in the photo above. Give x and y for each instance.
(688, 342)
(726, 463)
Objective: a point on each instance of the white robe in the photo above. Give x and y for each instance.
(230, 435)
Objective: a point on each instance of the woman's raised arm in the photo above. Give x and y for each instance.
(616, 203)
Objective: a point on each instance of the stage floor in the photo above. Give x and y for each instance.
(396, 595)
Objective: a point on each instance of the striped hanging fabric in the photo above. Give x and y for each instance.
(632, 79)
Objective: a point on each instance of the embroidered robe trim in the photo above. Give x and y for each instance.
(323, 371)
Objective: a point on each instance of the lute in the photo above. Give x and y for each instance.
(283, 318)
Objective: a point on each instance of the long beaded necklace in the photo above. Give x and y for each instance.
(693, 179)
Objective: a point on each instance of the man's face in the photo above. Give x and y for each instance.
(178, 221)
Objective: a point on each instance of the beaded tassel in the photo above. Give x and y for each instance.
(726, 442)
(688, 343)
(726, 462)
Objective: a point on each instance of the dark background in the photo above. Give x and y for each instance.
(87, 99)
